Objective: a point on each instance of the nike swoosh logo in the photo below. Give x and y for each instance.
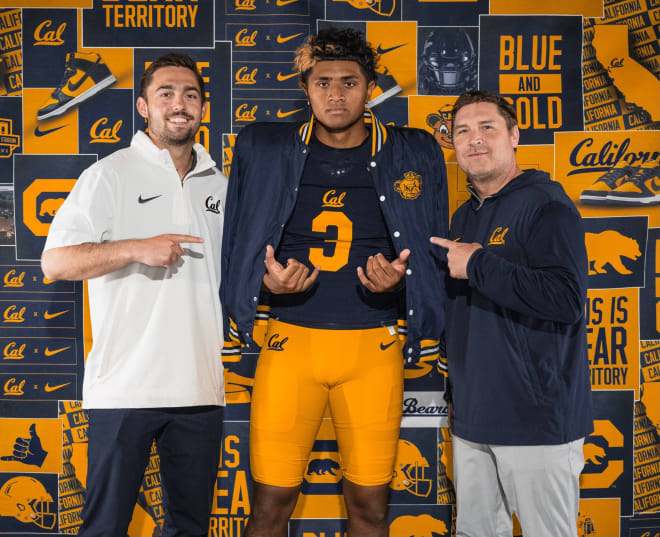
(145, 200)
(282, 77)
(285, 2)
(47, 281)
(382, 50)
(38, 132)
(48, 352)
(53, 315)
(383, 347)
(281, 114)
(73, 86)
(49, 388)
(281, 39)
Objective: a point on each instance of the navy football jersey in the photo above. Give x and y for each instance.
(336, 224)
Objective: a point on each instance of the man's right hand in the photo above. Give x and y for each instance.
(295, 278)
(162, 250)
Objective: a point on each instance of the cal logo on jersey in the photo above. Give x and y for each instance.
(497, 236)
(410, 186)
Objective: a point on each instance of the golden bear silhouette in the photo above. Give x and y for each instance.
(421, 525)
(610, 246)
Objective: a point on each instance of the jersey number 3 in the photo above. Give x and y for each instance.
(339, 258)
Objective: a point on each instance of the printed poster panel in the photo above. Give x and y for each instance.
(646, 472)
(32, 503)
(11, 139)
(11, 55)
(608, 451)
(41, 184)
(616, 249)
(158, 23)
(445, 12)
(612, 339)
(31, 445)
(231, 502)
(599, 517)
(536, 63)
(594, 168)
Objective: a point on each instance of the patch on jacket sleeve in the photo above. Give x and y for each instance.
(410, 187)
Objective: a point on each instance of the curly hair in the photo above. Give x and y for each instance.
(336, 44)
(505, 108)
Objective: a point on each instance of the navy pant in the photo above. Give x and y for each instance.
(188, 441)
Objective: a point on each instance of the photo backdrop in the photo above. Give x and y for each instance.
(584, 76)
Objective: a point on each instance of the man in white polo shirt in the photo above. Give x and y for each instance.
(144, 226)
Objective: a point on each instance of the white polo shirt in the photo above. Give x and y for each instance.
(157, 331)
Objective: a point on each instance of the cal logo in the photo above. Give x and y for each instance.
(610, 470)
(245, 5)
(12, 352)
(497, 237)
(244, 77)
(14, 388)
(441, 123)
(46, 34)
(331, 200)
(243, 114)
(41, 200)
(11, 279)
(410, 187)
(245, 39)
(14, 315)
(276, 344)
(213, 206)
(101, 133)
(8, 140)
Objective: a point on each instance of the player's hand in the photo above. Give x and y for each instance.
(162, 250)
(458, 255)
(295, 278)
(28, 450)
(381, 276)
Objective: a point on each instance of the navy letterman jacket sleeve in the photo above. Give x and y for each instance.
(553, 284)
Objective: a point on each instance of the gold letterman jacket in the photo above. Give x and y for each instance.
(409, 174)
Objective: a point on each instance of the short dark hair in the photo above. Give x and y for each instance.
(505, 108)
(336, 44)
(171, 59)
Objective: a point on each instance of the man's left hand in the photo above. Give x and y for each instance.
(381, 276)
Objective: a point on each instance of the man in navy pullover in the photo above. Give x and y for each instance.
(516, 349)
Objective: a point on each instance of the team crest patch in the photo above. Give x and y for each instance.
(410, 187)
